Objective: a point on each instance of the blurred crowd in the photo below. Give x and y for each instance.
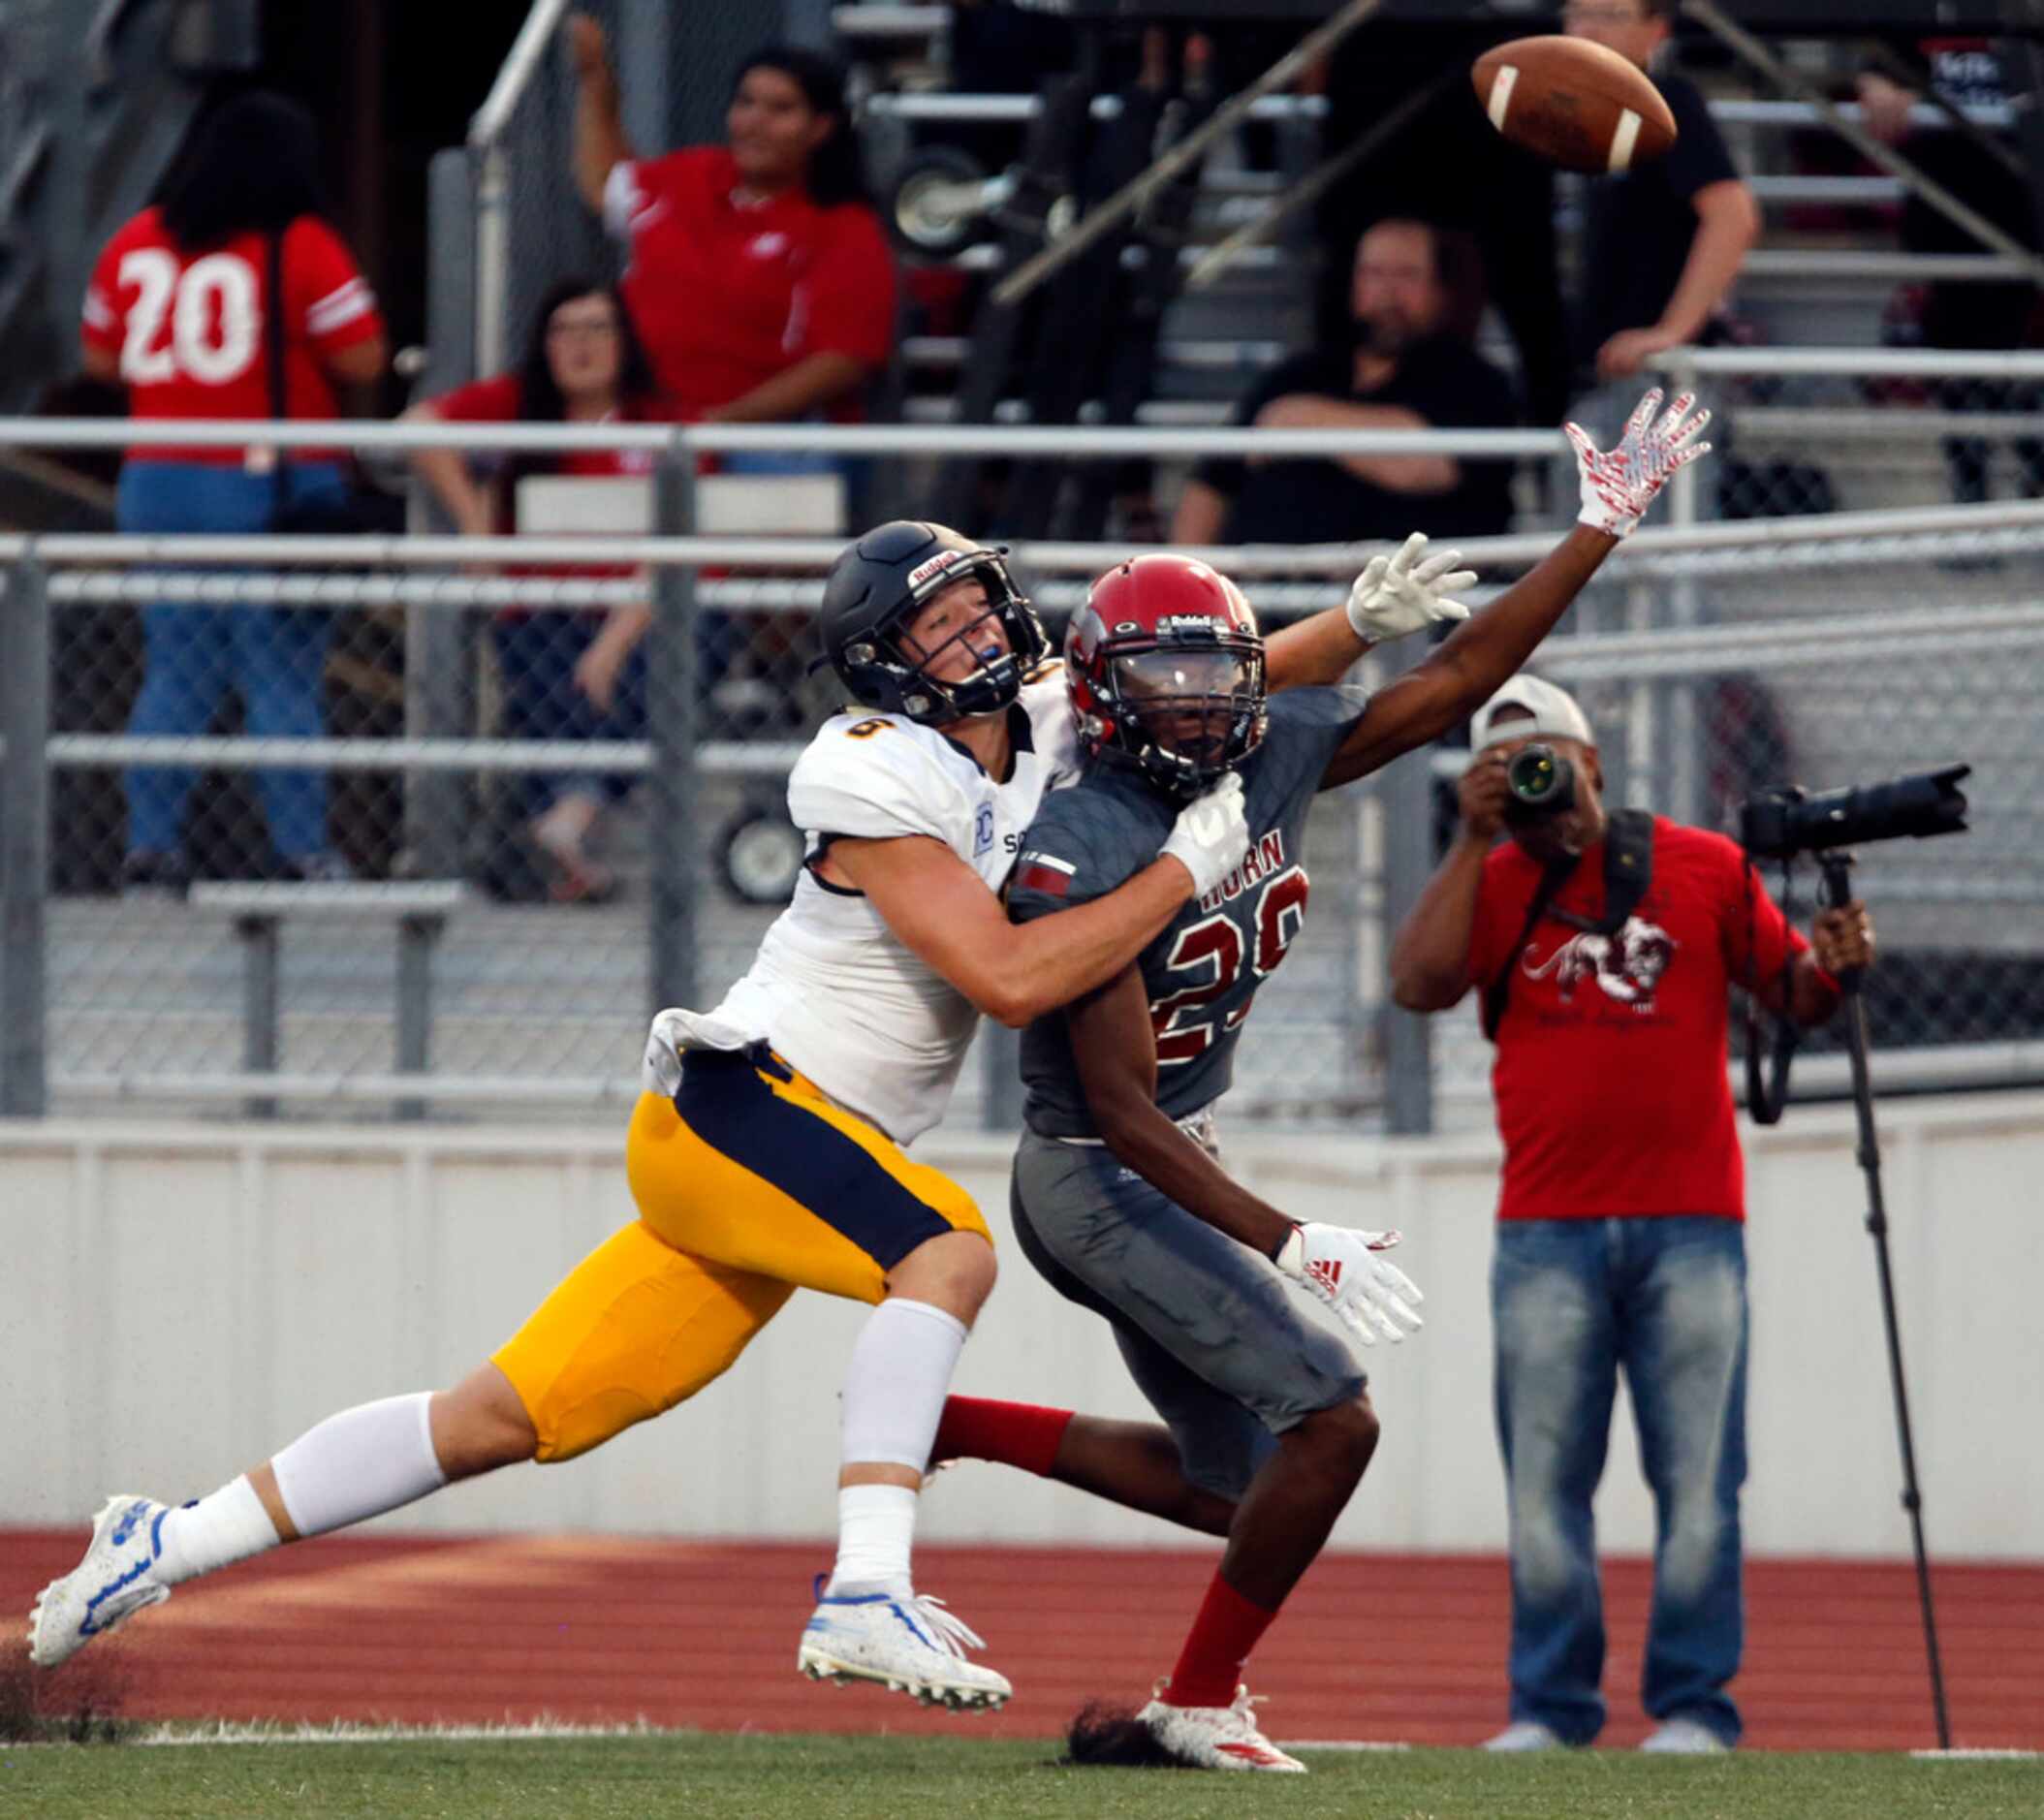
(760, 285)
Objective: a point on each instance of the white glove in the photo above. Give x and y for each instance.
(1620, 485)
(1211, 836)
(1395, 595)
(1339, 1265)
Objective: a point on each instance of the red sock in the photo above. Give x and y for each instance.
(1210, 1665)
(1011, 1434)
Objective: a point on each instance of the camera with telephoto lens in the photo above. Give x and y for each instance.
(1541, 782)
(1783, 821)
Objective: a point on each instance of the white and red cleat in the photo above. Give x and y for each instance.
(1214, 1737)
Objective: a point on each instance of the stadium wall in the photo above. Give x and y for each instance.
(177, 1301)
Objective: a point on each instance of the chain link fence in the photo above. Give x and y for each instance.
(492, 899)
(1795, 443)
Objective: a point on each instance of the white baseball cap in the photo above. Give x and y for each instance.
(1553, 713)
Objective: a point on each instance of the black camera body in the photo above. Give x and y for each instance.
(1784, 820)
(1542, 783)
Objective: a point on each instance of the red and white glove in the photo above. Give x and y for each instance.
(1401, 594)
(1340, 1266)
(1619, 485)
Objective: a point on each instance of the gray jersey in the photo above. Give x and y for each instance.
(1201, 972)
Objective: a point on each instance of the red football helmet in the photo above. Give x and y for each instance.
(1166, 669)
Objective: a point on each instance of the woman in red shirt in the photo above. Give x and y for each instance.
(178, 311)
(760, 278)
(566, 675)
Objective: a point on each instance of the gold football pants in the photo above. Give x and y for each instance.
(750, 1185)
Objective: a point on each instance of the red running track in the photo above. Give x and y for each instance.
(605, 1629)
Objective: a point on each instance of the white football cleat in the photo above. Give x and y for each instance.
(909, 1644)
(1216, 1738)
(105, 1589)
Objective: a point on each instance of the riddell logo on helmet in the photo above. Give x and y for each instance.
(934, 565)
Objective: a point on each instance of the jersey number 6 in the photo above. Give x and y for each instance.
(1215, 945)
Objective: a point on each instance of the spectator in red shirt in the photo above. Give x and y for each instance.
(567, 675)
(177, 312)
(1620, 1220)
(760, 278)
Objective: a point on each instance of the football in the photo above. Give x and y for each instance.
(1572, 102)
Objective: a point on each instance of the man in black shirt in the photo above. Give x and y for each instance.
(1415, 299)
(1664, 240)
(1970, 317)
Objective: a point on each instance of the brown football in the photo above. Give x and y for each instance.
(1572, 102)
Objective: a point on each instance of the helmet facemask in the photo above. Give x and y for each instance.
(992, 683)
(1184, 713)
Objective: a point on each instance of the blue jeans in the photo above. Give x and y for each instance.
(275, 659)
(536, 658)
(1572, 1301)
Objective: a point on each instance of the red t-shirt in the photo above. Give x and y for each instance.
(500, 400)
(725, 297)
(190, 329)
(1613, 1097)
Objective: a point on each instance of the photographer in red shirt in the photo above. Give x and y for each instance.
(1621, 1216)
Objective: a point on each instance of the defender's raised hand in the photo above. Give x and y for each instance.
(1403, 592)
(1619, 484)
(1341, 1264)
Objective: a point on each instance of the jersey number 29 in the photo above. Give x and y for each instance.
(1213, 945)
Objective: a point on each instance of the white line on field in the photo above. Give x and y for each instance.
(343, 1732)
(1978, 1756)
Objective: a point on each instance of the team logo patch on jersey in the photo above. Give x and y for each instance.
(1039, 871)
(983, 830)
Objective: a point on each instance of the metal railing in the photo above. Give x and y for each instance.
(1679, 610)
(490, 160)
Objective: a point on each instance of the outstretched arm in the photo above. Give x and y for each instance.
(1393, 595)
(942, 911)
(1618, 487)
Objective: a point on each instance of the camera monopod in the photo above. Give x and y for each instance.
(1780, 823)
(1836, 865)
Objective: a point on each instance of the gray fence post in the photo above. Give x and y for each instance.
(261, 964)
(1000, 1078)
(1682, 765)
(1406, 791)
(673, 715)
(439, 668)
(417, 937)
(25, 841)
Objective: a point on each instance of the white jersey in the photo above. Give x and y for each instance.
(833, 988)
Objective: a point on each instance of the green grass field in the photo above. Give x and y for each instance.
(880, 1778)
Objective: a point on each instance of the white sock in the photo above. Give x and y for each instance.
(212, 1533)
(359, 1463)
(895, 1385)
(876, 1531)
(894, 1398)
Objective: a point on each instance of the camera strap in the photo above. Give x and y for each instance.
(1629, 869)
(1766, 1096)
